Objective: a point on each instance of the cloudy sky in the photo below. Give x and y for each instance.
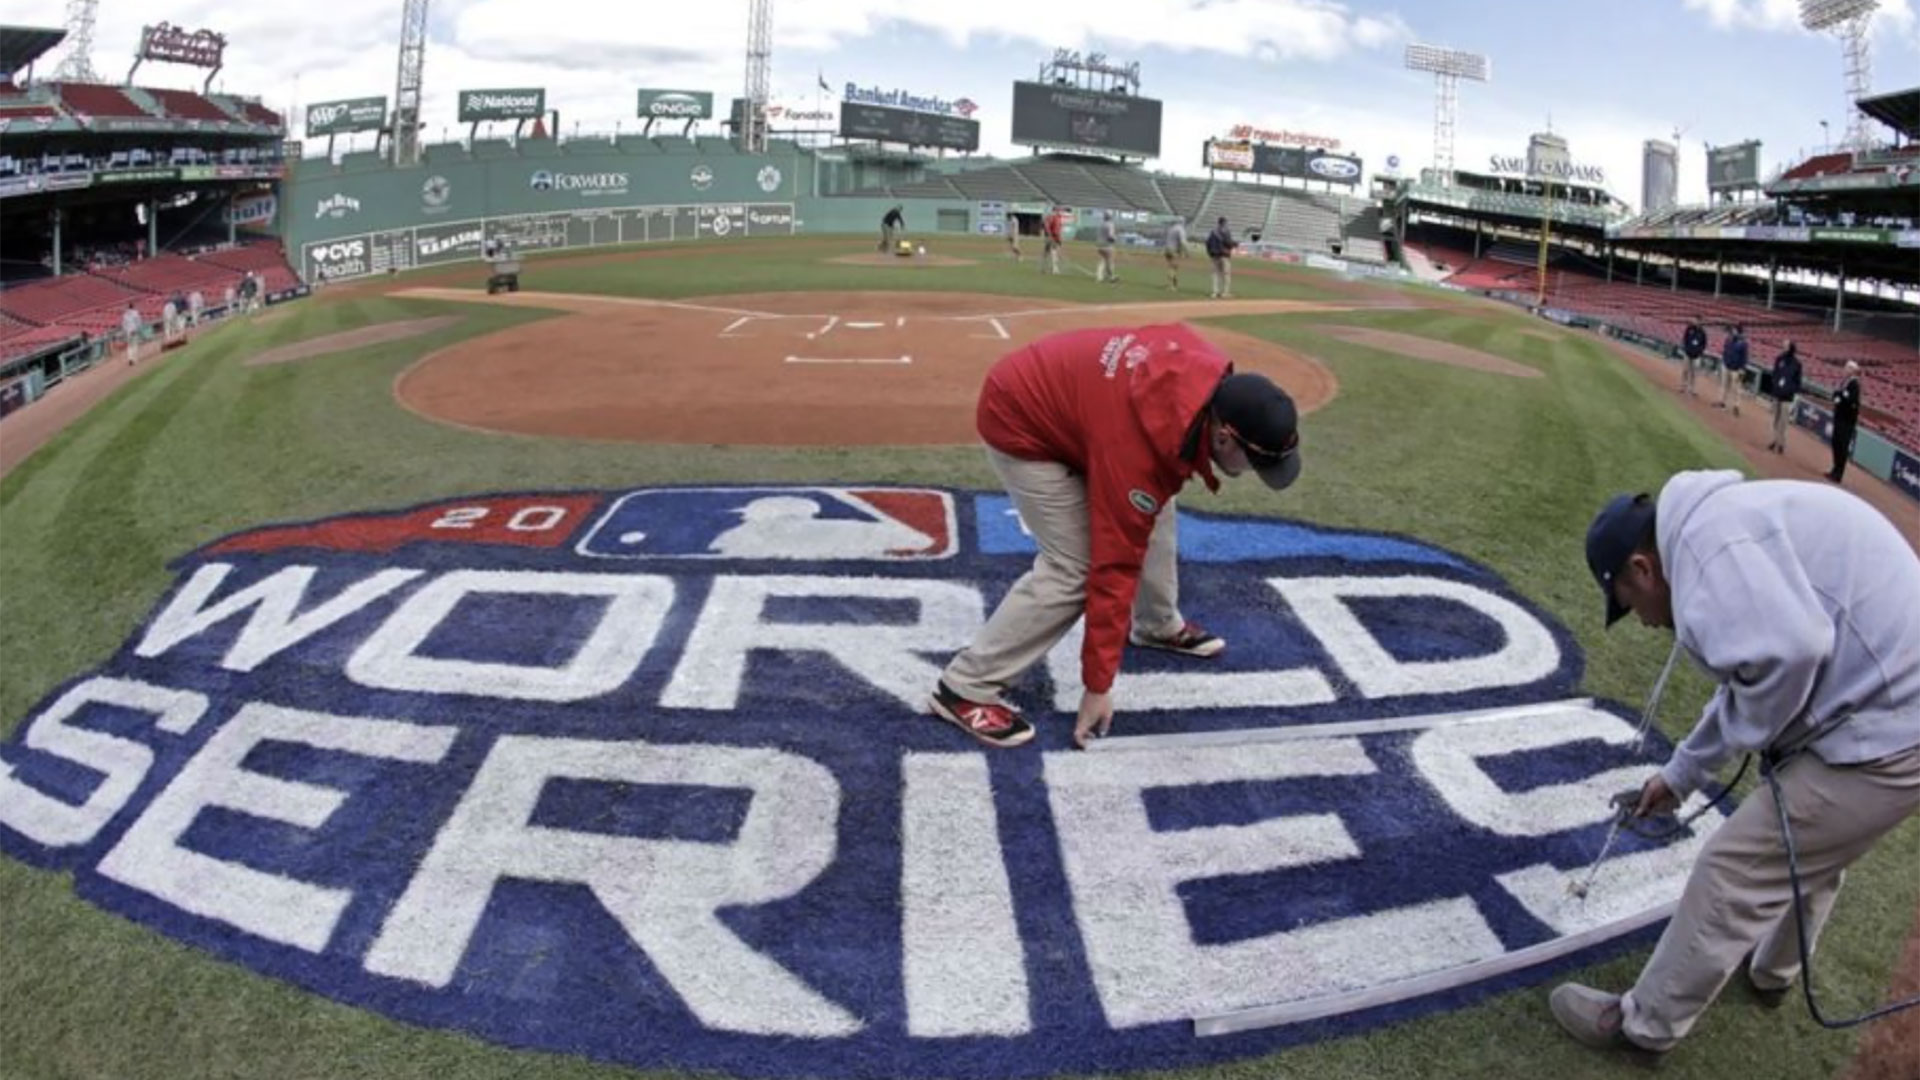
(1606, 78)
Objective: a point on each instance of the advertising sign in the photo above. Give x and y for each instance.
(1221, 154)
(1283, 137)
(902, 99)
(905, 126)
(501, 104)
(349, 115)
(676, 104)
(1730, 168)
(1067, 116)
(176, 45)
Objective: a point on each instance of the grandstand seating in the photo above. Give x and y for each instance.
(1133, 188)
(1066, 183)
(186, 105)
(933, 187)
(57, 309)
(90, 99)
(1243, 207)
(52, 300)
(1185, 197)
(634, 144)
(1302, 222)
(715, 144)
(492, 148)
(1000, 183)
(1820, 165)
(675, 144)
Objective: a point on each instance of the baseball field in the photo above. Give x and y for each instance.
(242, 773)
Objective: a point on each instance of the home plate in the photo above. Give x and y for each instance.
(849, 360)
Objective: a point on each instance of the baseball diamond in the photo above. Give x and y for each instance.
(529, 601)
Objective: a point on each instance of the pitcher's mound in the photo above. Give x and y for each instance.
(875, 258)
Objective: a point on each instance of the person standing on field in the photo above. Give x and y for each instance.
(1108, 238)
(1220, 245)
(1053, 227)
(1175, 249)
(1846, 421)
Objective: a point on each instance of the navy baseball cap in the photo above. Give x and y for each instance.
(1612, 539)
(1262, 418)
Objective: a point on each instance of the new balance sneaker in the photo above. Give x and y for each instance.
(1190, 641)
(989, 721)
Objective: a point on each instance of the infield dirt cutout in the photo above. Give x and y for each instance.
(377, 334)
(779, 369)
(903, 262)
(1420, 348)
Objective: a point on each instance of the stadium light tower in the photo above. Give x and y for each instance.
(1848, 19)
(77, 65)
(1449, 66)
(753, 126)
(406, 90)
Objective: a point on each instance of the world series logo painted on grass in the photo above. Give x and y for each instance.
(647, 776)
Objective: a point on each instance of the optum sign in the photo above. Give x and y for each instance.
(676, 104)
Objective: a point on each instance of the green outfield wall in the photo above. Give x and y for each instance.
(350, 220)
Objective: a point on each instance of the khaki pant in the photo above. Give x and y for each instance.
(1730, 389)
(1689, 367)
(1782, 418)
(1044, 604)
(1106, 272)
(1222, 276)
(1739, 898)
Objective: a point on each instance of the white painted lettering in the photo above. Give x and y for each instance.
(666, 893)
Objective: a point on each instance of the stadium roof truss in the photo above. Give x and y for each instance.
(22, 45)
(1899, 110)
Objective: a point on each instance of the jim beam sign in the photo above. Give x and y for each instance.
(174, 45)
(501, 104)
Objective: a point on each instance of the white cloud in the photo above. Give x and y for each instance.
(1894, 21)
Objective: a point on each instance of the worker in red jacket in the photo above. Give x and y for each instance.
(1053, 226)
(1094, 432)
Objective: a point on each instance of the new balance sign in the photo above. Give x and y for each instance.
(646, 776)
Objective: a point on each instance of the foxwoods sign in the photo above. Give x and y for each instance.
(646, 775)
(901, 99)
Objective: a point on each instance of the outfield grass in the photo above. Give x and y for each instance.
(1506, 471)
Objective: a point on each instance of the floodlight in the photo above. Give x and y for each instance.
(1444, 61)
(1821, 14)
(1448, 66)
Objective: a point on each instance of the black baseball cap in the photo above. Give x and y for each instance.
(1613, 538)
(1261, 417)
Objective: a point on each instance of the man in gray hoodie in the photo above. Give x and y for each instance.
(1799, 599)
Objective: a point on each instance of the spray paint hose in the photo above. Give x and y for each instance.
(1800, 923)
(1625, 801)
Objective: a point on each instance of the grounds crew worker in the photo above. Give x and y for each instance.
(1094, 432)
(1693, 345)
(1785, 383)
(1846, 421)
(1175, 249)
(1109, 236)
(1733, 366)
(893, 222)
(1799, 598)
(1220, 245)
(1052, 226)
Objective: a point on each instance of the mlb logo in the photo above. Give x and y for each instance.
(780, 523)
